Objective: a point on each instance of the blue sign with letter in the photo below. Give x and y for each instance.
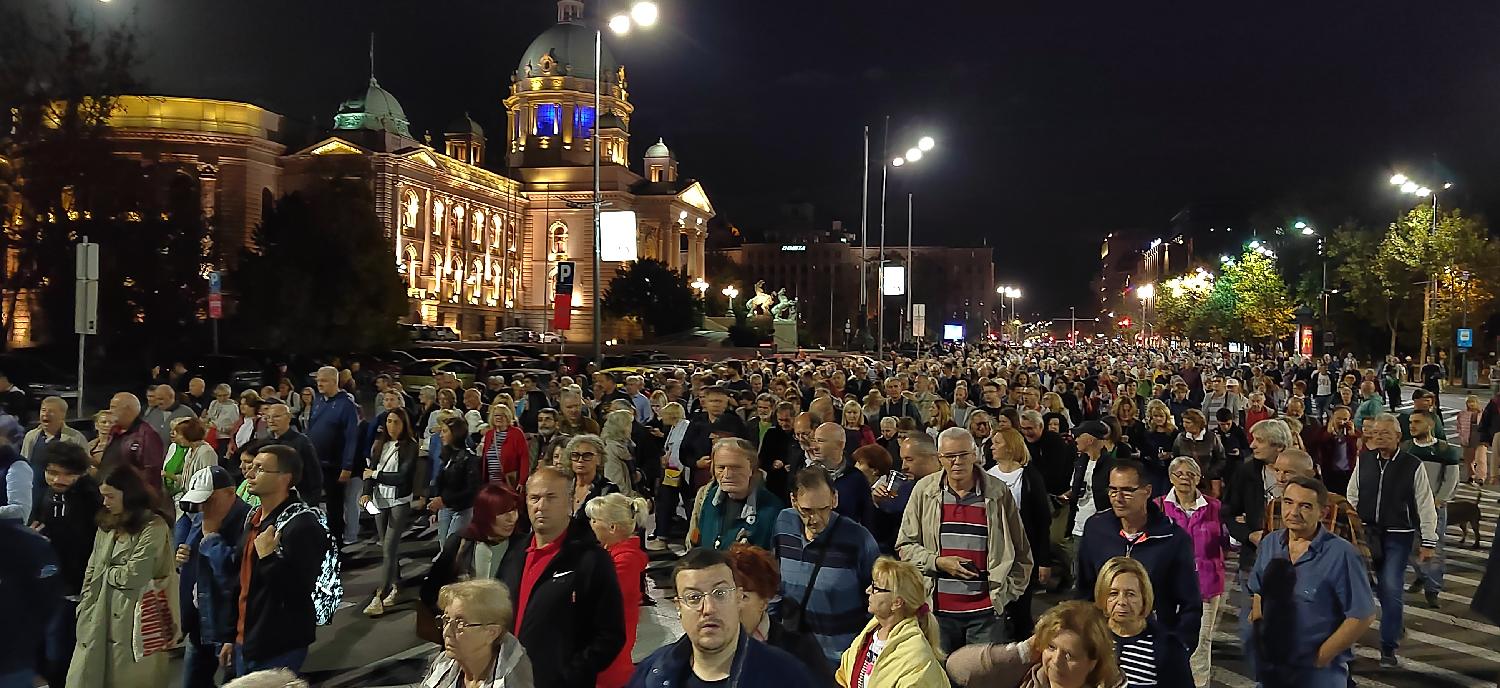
(1465, 338)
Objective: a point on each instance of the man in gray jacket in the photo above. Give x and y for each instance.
(165, 409)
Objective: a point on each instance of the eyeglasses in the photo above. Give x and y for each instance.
(875, 588)
(694, 599)
(1184, 475)
(1126, 492)
(954, 457)
(583, 456)
(252, 469)
(445, 622)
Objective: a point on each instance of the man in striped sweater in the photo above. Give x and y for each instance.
(826, 560)
(963, 530)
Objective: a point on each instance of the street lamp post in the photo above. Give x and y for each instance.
(1410, 186)
(731, 292)
(643, 13)
(913, 154)
(1144, 293)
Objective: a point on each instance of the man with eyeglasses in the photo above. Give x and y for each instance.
(822, 552)
(280, 561)
(1135, 527)
(714, 649)
(1391, 491)
(569, 613)
(963, 530)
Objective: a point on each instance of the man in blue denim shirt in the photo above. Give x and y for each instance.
(208, 535)
(1311, 596)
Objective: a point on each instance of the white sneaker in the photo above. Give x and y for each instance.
(390, 598)
(375, 607)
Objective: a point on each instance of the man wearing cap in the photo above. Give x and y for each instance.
(208, 555)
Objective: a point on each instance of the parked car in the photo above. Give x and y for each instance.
(423, 373)
(39, 380)
(551, 338)
(424, 352)
(239, 372)
(430, 333)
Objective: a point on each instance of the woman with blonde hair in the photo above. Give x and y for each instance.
(615, 518)
(104, 421)
(618, 462)
(478, 649)
(1052, 403)
(900, 646)
(1072, 648)
(857, 432)
(503, 453)
(1149, 655)
(1475, 464)
(1029, 492)
(871, 408)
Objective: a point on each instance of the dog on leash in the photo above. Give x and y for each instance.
(1465, 514)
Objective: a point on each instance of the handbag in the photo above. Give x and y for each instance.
(155, 627)
(793, 615)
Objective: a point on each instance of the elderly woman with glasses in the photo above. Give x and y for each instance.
(584, 454)
(478, 650)
(1198, 514)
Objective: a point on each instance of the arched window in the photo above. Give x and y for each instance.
(409, 209)
(548, 119)
(476, 230)
(455, 224)
(438, 215)
(495, 231)
(557, 241)
(412, 266)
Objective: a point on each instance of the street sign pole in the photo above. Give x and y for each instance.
(85, 303)
(215, 305)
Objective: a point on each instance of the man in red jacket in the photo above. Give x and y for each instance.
(133, 441)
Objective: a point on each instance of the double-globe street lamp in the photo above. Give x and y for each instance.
(1012, 293)
(1408, 185)
(1145, 293)
(644, 14)
(913, 155)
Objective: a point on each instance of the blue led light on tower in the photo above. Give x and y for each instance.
(583, 122)
(547, 116)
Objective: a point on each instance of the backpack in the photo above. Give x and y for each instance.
(328, 591)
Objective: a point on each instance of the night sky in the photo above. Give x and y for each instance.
(1056, 122)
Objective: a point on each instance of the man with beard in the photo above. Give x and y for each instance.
(714, 649)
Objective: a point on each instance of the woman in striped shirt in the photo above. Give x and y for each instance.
(1148, 655)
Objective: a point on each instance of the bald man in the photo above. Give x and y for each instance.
(135, 442)
(1341, 519)
(853, 488)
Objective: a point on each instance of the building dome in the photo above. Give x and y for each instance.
(464, 125)
(567, 49)
(659, 150)
(374, 110)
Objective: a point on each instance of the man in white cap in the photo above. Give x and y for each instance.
(209, 532)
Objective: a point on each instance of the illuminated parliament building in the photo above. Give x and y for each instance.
(477, 250)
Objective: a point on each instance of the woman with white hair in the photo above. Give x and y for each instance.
(1198, 514)
(615, 518)
(619, 451)
(478, 649)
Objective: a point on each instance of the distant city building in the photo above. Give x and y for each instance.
(477, 247)
(957, 285)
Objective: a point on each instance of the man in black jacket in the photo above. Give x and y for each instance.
(30, 594)
(567, 599)
(65, 516)
(714, 422)
(279, 423)
(282, 555)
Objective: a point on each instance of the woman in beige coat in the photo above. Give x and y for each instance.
(132, 552)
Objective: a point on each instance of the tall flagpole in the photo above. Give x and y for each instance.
(880, 264)
(864, 242)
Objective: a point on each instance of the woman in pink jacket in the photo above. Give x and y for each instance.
(1198, 514)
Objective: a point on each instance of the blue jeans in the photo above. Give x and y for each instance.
(1390, 586)
(200, 663)
(292, 660)
(957, 632)
(1431, 573)
(450, 521)
(352, 510)
(57, 645)
(1336, 676)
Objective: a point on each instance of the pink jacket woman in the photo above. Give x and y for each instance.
(1209, 541)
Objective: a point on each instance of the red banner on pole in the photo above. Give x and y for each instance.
(562, 311)
(215, 306)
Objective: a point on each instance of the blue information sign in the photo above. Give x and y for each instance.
(1465, 338)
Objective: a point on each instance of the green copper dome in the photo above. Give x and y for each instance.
(567, 45)
(375, 110)
(658, 150)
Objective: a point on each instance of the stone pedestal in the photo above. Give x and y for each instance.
(785, 335)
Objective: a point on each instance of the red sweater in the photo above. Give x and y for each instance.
(514, 457)
(630, 563)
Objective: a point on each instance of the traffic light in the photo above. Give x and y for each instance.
(1124, 322)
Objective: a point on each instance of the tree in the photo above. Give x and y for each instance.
(1262, 306)
(320, 274)
(58, 178)
(1180, 302)
(654, 295)
(1379, 289)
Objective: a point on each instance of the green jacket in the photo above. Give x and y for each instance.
(1369, 408)
(755, 523)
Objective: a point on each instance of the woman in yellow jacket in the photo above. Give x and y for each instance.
(899, 648)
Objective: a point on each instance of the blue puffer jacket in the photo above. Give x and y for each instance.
(756, 665)
(209, 584)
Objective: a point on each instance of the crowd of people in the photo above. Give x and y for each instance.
(838, 520)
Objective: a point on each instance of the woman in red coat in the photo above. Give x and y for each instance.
(615, 519)
(503, 455)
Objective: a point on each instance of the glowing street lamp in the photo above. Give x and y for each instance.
(926, 143)
(644, 13)
(1145, 292)
(731, 292)
(700, 285)
(898, 162)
